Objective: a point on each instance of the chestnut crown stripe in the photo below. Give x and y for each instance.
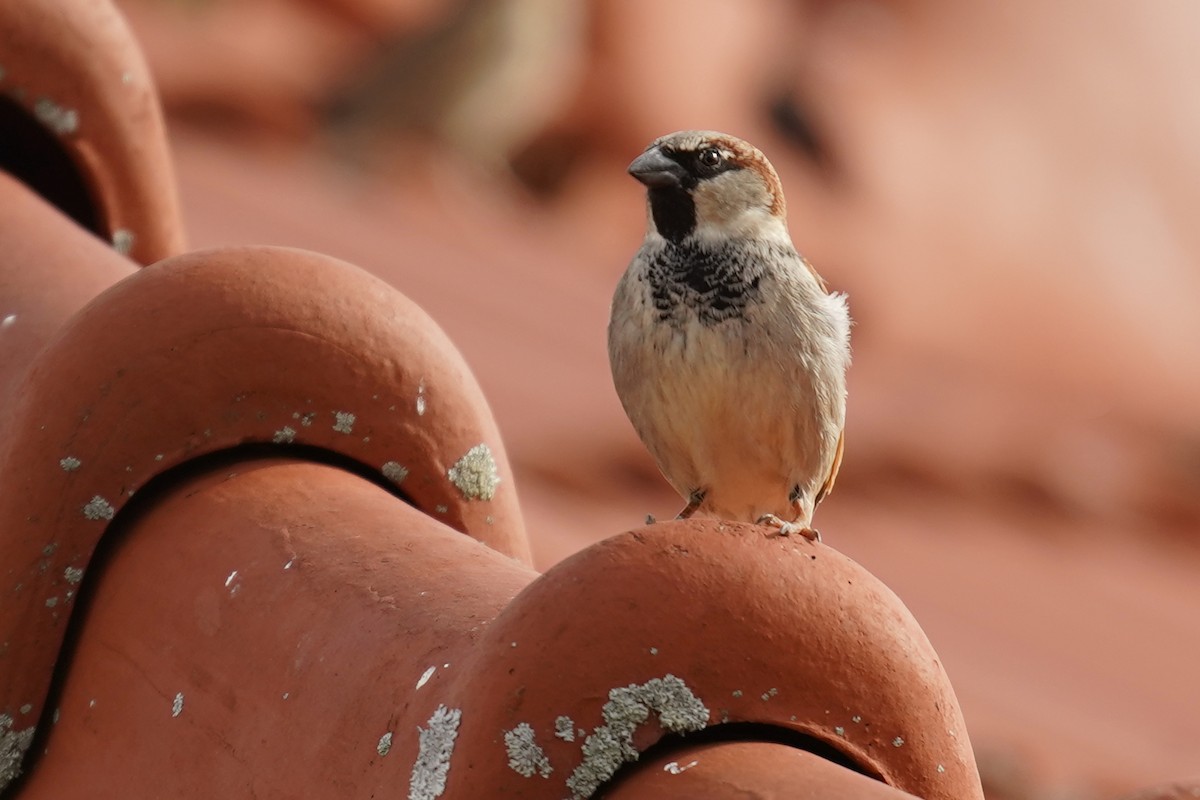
(247, 344)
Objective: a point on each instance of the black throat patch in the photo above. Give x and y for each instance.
(713, 284)
(674, 212)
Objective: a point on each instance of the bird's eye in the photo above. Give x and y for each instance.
(710, 157)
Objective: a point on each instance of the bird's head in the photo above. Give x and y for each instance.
(710, 186)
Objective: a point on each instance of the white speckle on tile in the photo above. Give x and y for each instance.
(674, 768)
(769, 693)
(286, 695)
(92, 703)
(476, 474)
(70, 463)
(72, 575)
(61, 120)
(898, 741)
(54, 717)
(611, 745)
(51, 602)
(435, 747)
(839, 730)
(564, 728)
(177, 705)
(425, 676)
(385, 744)
(343, 421)
(98, 508)
(122, 240)
(25, 709)
(285, 435)
(158, 456)
(737, 692)
(941, 768)
(856, 719)
(441, 509)
(525, 756)
(289, 563)
(229, 580)
(653, 651)
(8, 321)
(421, 399)
(395, 472)
(13, 745)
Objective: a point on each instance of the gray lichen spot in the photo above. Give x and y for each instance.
(839, 730)
(611, 745)
(25, 709)
(475, 474)
(395, 472)
(13, 745)
(98, 508)
(59, 119)
(385, 744)
(177, 705)
(525, 757)
(122, 240)
(51, 602)
(564, 728)
(898, 741)
(306, 419)
(158, 456)
(425, 676)
(70, 463)
(441, 509)
(434, 748)
(737, 692)
(343, 421)
(857, 719)
(73, 575)
(285, 435)
(769, 693)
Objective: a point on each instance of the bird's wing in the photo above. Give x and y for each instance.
(827, 487)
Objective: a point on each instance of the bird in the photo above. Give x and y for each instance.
(728, 351)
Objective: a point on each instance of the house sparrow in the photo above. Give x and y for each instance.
(727, 351)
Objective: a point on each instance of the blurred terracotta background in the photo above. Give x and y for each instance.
(1008, 192)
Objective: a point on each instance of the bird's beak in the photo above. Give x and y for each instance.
(656, 171)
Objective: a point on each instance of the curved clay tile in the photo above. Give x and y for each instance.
(73, 68)
(211, 351)
(1185, 790)
(740, 770)
(281, 628)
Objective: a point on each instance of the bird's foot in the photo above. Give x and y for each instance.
(788, 528)
(693, 503)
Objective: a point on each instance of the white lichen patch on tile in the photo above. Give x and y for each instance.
(285, 435)
(122, 240)
(769, 693)
(51, 602)
(525, 756)
(898, 741)
(13, 744)
(385, 744)
(8, 321)
(476, 474)
(63, 121)
(435, 746)
(73, 575)
(177, 705)
(70, 463)
(441, 509)
(564, 728)
(421, 399)
(98, 508)
(611, 745)
(426, 675)
(343, 421)
(25, 709)
(306, 419)
(395, 472)
(675, 768)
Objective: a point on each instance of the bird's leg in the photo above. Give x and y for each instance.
(693, 503)
(788, 528)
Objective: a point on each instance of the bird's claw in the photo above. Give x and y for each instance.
(788, 528)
